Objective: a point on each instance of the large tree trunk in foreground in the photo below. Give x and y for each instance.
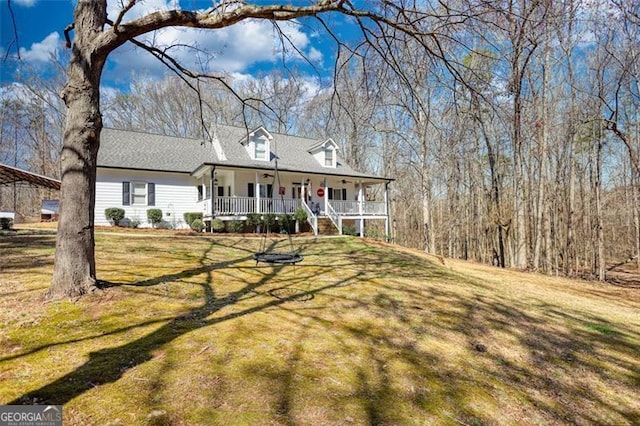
(75, 268)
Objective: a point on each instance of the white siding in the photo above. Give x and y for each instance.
(319, 156)
(176, 193)
(250, 146)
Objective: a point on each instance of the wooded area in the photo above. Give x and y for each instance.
(517, 143)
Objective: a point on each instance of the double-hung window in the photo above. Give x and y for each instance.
(138, 194)
(328, 157)
(261, 149)
(338, 194)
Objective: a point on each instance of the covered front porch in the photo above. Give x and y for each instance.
(232, 194)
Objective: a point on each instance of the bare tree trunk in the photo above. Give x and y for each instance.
(495, 190)
(635, 188)
(75, 271)
(600, 255)
(427, 219)
(602, 266)
(543, 136)
(519, 237)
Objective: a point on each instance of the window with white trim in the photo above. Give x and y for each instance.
(338, 194)
(260, 149)
(138, 194)
(328, 157)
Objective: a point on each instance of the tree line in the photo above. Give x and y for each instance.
(518, 145)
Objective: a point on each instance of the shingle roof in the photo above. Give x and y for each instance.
(146, 151)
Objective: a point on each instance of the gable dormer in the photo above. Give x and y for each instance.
(258, 144)
(326, 153)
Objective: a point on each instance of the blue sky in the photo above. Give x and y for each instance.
(242, 50)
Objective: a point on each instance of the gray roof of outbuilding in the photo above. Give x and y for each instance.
(146, 151)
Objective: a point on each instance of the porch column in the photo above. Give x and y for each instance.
(387, 230)
(212, 181)
(257, 194)
(303, 188)
(360, 207)
(326, 197)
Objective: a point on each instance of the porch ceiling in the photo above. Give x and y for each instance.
(362, 178)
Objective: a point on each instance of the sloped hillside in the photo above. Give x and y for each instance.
(189, 330)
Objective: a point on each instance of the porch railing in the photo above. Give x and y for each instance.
(278, 205)
(234, 205)
(346, 208)
(311, 218)
(334, 217)
(376, 208)
(239, 206)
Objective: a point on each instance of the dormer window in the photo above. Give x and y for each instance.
(328, 157)
(257, 144)
(260, 149)
(325, 153)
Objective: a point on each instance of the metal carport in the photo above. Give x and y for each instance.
(10, 175)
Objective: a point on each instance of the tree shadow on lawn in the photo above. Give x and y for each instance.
(555, 347)
(569, 365)
(108, 365)
(25, 251)
(557, 376)
(569, 357)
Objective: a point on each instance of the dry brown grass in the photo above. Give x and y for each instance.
(190, 331)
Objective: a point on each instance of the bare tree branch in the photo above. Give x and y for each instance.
(122, 13)
(183, 72)
(15, 40)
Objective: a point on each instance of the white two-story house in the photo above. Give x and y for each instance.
(237, 173)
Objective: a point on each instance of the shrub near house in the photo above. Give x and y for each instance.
(189, 217)
(197, 225)
(114, 215)
(217, 225)
(154, 216)
(235, 226)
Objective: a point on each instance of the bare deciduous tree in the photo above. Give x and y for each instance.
(96, 36)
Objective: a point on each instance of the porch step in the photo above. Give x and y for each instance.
(326, 227)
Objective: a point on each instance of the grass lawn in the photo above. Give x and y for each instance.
(190, 331)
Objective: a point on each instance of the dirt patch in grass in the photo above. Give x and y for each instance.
(189, 330)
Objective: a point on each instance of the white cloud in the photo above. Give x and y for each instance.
(41, 51)
(139, 9)
(25, 3)
(315, 55)
(231, 49)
